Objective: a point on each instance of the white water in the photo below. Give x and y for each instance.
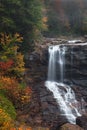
(61, 62)
(63, 93)
(74, 41)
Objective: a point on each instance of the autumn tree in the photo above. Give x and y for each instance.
(11, 61)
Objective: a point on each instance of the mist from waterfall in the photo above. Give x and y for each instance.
(63, 93)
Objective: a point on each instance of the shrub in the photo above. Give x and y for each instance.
(5, 120)
(16, 92)
(21, 128)
(7, 106)
(11, 61)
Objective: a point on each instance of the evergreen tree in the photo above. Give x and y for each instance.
(22, 16)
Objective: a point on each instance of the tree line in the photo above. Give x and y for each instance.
(63, 17)
(66, 17)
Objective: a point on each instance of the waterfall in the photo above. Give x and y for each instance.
(52, 63)
(61, 61)
(63, 93)
(53, 52)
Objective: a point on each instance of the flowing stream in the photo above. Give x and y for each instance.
(63, 93)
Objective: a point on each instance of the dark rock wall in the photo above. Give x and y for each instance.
(76, 65)
(36, 67)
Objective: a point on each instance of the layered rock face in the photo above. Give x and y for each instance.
(36, 67)
(47, 112)
(76, 64)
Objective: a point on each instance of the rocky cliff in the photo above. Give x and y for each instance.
(44, 109)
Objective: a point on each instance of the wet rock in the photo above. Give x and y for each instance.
(82, 122)
(69, 126)
(58, 123)
(85, 36)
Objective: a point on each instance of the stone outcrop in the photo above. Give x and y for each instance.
(76, 65)
(36, 67)
(70, 127)
(82, 121)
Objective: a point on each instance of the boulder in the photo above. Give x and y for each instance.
(58, 123)
(69, 126)
(82, 122)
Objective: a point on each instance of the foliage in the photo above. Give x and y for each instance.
(11, 69)
(24, 17)
(6, 65)
(18, 68)
(11, 61)
(5, 120)
(25, 95)
(66, 17)
(7, 106)
(18, 94)
(21, 128)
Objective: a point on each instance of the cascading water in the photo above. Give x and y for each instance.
(61, 62)
(54, 51)
(63, 93)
